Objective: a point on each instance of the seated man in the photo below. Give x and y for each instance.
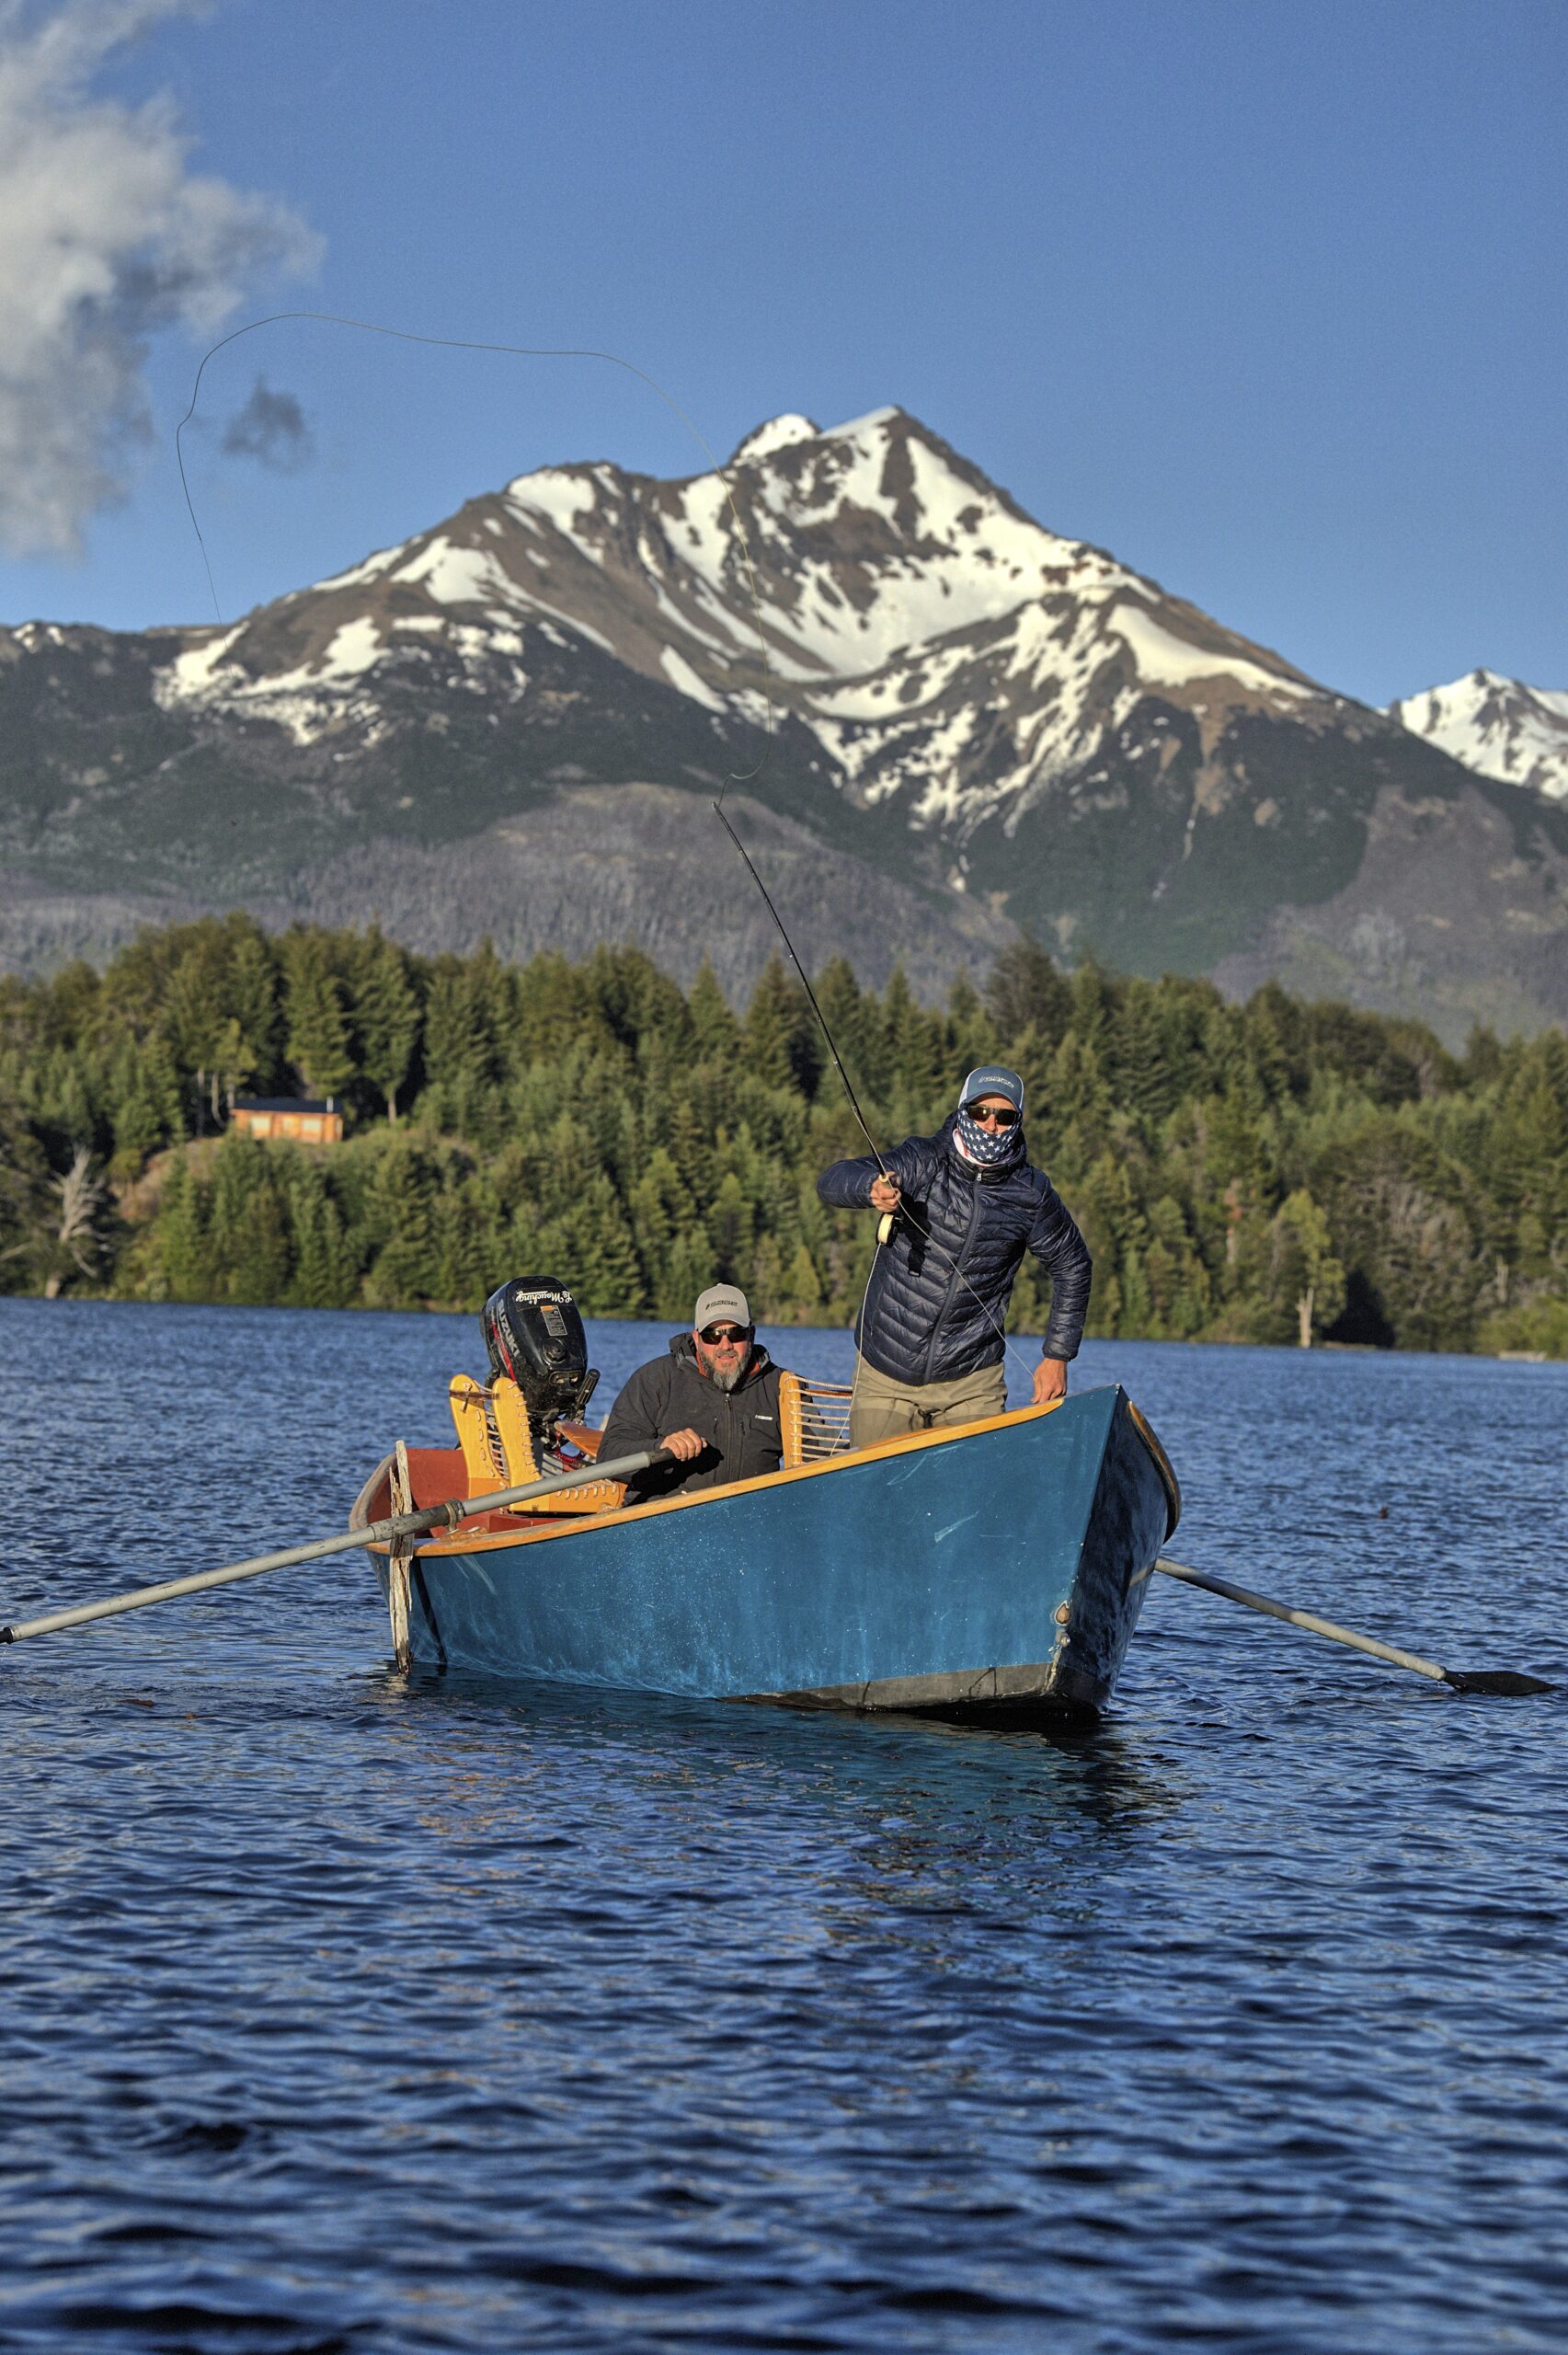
(714, 1402)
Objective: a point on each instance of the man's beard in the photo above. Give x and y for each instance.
(721, 1377)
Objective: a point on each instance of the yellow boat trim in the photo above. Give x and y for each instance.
(489, 1542)
(1162, 1465)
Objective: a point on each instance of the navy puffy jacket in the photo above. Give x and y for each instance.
(918, 1323)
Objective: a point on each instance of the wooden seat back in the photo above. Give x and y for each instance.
(497, 1450)
(814, 1420)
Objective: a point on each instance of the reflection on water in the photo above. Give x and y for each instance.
(937, 1790)
(342, 2009)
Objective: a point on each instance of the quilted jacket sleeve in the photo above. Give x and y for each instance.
(1058, 1245)
(847, 1184)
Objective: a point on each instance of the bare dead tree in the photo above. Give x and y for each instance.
(76, 1239)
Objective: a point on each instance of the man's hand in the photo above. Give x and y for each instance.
(1051, 1381)
(885, 1194)
(683, 1445)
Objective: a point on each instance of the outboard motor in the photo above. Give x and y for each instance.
(533, 1333)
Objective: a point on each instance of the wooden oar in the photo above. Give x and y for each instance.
(405, 1524)
(1507, 1680)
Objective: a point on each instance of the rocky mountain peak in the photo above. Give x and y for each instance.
(980, 722)
(776, 433)
(1497, 726)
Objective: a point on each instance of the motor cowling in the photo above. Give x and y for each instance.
(534, 1334)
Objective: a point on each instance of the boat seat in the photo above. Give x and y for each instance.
(497, 1450)
(814, 1420)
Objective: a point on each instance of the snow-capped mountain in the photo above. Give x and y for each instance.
(1497, 727)
(940, 647)
(947, 721)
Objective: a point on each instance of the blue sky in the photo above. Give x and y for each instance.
(1267, 300)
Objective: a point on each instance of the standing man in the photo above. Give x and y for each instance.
(712, 1402)
(967, 1206)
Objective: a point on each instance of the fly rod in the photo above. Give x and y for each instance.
(805, 985)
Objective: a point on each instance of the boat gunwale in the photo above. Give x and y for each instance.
(446, 1546)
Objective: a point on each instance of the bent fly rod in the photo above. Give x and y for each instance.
(811, 995)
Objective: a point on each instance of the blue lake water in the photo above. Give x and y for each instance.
(342, 2011)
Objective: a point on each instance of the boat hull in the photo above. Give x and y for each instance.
(973, 1572)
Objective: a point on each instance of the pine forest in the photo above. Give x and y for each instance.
(1273, 1172)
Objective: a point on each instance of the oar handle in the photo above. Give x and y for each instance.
(405, 1524)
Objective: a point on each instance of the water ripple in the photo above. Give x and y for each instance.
(341, 2010)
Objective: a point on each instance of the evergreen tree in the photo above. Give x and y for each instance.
(186, 1260)
(403, 1220)
(323, 1272)
(689, 1270)
(317, 1028)
(24, 1199)
(715, 1030)
(259, 1269)
(246, 1233)
(599, 1248)
(1145, 1083)
(970, 1029)
(386, 1016)
(248, 1048)
(1397, 1213)
(193, 1023)
(1027, 992)
(729, 1229)
(1093, 1000)
(769, 1029)
(1076, 1088)
(461, 1047)
(467, 1256)
(1308, 1279)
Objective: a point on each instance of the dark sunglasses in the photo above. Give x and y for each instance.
(1004, 1115)
(723, 1337)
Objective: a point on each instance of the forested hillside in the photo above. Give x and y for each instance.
(1243, 1173)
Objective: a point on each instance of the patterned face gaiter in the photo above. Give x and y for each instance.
(988, 1148)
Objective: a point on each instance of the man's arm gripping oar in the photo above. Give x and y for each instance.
(406, 1524)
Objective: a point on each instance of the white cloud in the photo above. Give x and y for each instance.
(106, 236)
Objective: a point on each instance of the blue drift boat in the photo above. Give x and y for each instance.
(989, 1572)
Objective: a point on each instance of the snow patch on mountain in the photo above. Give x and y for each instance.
(680, 674)
(564, 495)
(777, 433)
(194, 672)
(1497, 726)
(355, 648)
(458, 576)
(1168, 660)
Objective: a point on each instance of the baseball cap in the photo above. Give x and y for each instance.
(721, 1304)
(992, 1079)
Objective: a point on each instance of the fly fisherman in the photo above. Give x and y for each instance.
(712, 1402)
(967, 1205)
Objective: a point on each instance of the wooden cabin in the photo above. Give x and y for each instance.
(308, 1120)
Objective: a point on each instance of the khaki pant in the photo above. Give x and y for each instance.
(883, 1409)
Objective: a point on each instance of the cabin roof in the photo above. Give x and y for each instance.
(285, 1104)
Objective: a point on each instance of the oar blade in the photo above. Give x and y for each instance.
(1505, 1683)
